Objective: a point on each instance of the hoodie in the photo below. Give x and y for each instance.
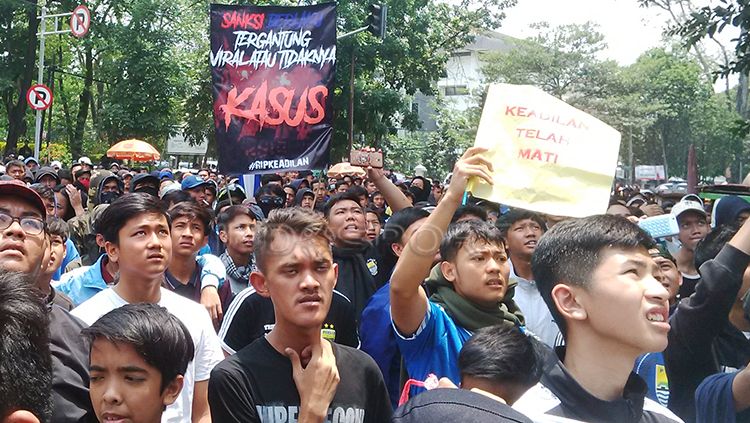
(109, 197)
(296, 184)
(727, 209)
(301, 194)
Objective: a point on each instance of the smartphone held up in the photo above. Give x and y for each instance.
(364, 158)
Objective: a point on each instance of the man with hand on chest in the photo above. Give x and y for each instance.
(293, 374)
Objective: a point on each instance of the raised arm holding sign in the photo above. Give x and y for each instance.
(548, 156)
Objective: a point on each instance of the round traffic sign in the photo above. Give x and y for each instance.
(80, 21)
(39, 97)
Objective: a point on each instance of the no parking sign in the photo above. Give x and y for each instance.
(39, 97)
(80, 21)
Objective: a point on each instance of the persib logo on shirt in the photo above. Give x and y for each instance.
(328, 332)
(372, 266)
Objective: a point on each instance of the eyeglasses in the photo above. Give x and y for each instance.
(30, 225)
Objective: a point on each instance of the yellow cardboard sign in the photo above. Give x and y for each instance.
(548, 156)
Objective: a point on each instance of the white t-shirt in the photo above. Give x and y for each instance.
(535, 311)
(195, 317)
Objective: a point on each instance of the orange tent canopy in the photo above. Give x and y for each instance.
(136, 150)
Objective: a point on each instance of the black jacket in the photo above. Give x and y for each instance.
(456, 405)
(695, 325)
(70, 364)
(558, 394)
(358, 272)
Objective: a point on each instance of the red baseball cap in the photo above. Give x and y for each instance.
(17, 188)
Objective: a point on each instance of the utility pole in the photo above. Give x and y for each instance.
(376, 24)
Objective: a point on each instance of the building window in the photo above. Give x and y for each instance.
(415, 107)
(456, 90)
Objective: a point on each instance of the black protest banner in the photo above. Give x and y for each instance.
(272, 70)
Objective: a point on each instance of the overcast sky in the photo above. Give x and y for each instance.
(629, 30)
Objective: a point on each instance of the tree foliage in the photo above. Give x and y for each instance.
(707, 21)
(560, 60)
(661, 104)
(143, 69)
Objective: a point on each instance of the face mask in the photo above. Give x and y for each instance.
(269, 203)
(148, 189)
(108, 197)
(85, 182)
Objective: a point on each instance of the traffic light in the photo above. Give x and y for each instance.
(377, 19)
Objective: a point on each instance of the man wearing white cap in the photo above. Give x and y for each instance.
(691, 218)
(85, 162)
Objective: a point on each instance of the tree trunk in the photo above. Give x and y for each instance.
(742, 96)
(17, 111)
(76, 143)
(96, 106)
(64, 99)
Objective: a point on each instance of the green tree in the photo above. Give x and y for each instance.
(661, 104)
(420, 36)
(560, 60)
(142, 70)
(18, 43)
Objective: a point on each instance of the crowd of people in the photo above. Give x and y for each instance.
(146, 296)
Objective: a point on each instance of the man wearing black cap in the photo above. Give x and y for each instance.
(28, 177)
(143, 182)
(47, 177)
(232, 192)
(23, 243)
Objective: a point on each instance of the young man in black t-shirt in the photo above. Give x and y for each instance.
(293, 374)
(189, 228)
(251, 316)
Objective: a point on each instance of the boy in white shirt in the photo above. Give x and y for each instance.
(136, 233)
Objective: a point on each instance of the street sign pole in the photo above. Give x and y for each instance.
(40, 80)
(81, 28)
